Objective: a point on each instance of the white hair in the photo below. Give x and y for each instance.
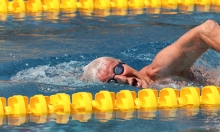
(93, 68)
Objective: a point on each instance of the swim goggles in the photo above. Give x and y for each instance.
(118, 70)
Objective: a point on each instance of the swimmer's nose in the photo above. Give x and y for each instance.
(120, 79)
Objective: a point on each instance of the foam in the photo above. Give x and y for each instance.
(63, 74)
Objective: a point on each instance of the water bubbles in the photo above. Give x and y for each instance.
(147, 57)
(13, 56)
(66, 55)
(82, 56)
(63, 74)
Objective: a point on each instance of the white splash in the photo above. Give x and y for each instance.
(66, 74)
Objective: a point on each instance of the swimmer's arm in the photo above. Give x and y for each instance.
(180, 56)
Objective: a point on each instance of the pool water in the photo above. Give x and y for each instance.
(45, 53)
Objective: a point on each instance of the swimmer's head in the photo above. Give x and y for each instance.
(100, 69)
(105, 69)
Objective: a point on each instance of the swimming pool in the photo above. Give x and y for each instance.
(44, 54)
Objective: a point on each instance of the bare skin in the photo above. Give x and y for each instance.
(174, 60)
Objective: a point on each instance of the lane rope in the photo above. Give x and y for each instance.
(105, 101)
(106, 105)
(48, 5)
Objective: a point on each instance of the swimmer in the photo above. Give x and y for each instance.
(174, 60)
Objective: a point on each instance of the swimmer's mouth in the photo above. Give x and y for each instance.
(135, 83)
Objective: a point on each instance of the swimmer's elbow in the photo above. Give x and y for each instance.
(210, 33)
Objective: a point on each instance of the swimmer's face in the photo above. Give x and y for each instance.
(122, 73)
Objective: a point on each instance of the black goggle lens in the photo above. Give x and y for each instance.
(119, 69)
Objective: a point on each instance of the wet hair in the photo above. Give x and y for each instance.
(96, 67)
